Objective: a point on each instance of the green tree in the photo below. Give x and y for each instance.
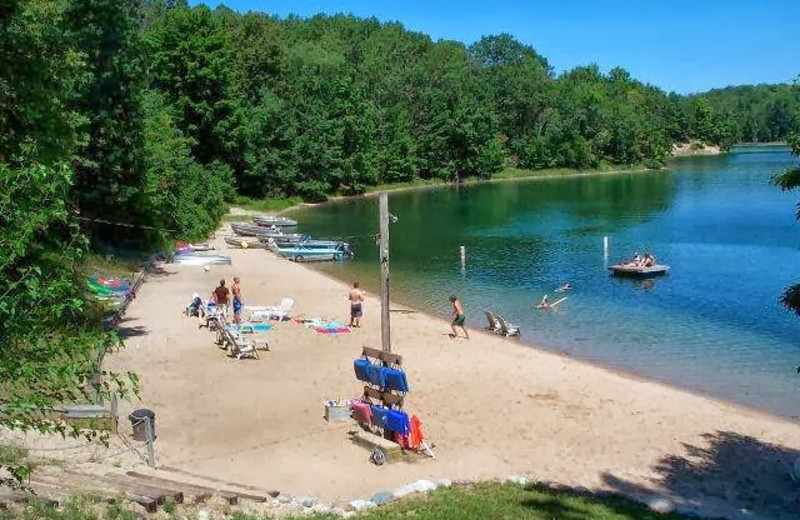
(191, 63)
(184, 197)
(109, 180)
(790, 180)
(50, 342)
(38, 70)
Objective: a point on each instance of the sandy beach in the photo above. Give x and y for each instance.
(492, 406)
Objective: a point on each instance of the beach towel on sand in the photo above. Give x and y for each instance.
(322, 326)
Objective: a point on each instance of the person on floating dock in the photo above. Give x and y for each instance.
(458, 317)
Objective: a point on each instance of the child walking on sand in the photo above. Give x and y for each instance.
(458, 317)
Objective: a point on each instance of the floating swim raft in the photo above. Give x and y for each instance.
(642, 272)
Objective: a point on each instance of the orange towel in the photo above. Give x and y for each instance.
(415, 436)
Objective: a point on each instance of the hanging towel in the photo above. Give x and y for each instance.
(362, 412)
(362, 367)
(395, 379)
(397, 421)
(415, 436)
(379, 416)
(376, 376)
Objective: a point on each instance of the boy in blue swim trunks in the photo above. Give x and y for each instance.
(238, 301)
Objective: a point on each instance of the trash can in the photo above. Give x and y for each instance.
(138, 422)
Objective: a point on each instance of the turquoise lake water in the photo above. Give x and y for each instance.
(714, 324)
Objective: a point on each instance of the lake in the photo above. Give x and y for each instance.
(713, 324)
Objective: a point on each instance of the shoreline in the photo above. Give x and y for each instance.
(538, 347)
(469, 182)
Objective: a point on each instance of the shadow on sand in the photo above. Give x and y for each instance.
(730, 474)
(126, 330)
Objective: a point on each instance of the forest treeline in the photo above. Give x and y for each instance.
(163, 111)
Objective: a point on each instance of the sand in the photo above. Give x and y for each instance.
(492, 406)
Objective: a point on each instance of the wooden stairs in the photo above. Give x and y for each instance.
(147, 487)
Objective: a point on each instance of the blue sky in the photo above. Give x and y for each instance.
(676, 45)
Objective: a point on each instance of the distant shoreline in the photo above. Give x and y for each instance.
(435, 184)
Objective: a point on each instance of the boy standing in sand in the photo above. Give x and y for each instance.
(236, 289)
(356, 298)
(458, 317)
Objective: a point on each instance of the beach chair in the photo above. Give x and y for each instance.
(281, 312)
(506, 329)
(210, 316)
(493, 325)
(240, 346)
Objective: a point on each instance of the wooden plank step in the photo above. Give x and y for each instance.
(270, 492)
(150, 503)
(140, 489)
(52, 490)
(194, 493)
(14, 497)
(193, 490)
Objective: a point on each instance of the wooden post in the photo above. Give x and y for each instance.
(463, 251)
(114, 413)
(383, 204)
(149, 438)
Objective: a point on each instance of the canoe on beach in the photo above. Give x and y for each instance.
(632, 270)
(245, 242)
(201, 260)
(272, 220)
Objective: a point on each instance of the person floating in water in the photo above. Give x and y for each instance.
(458, 317)
(544, 304)
(564, 288)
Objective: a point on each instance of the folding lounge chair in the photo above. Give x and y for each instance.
(281, 312)
(493, 325)
(210, 316)
(506, 329)
(241, 347)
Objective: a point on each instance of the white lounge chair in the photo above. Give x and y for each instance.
(493, 325)
(281, 312)
(506, 329)
(239, 345)
(210, 316)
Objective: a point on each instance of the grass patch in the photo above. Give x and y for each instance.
(496, 500)
(513, 173)
(264, 205)
(76, 508)
(478, 501)
(519, 173)
(416, 183)
(13, 454)
(111, 266)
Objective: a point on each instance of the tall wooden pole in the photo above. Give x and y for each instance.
(383, 204)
